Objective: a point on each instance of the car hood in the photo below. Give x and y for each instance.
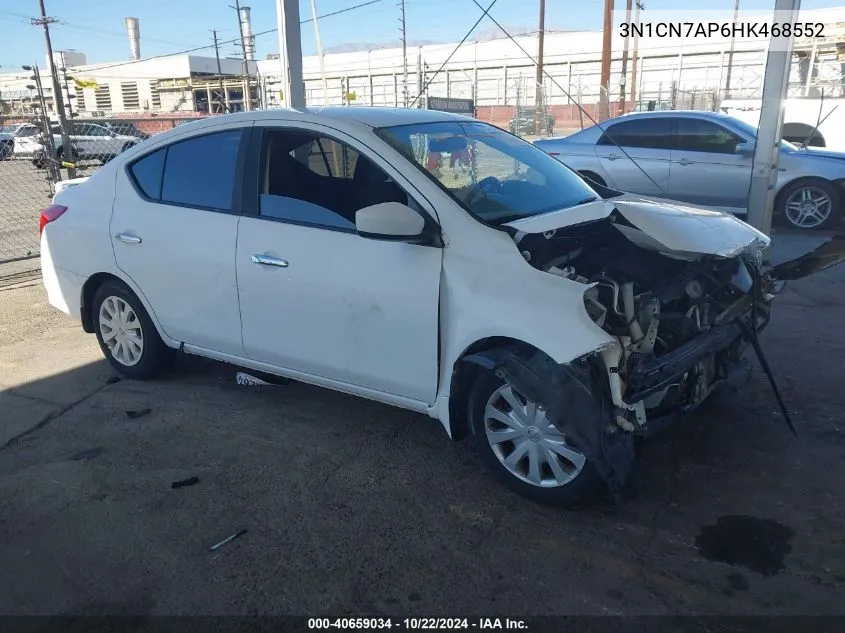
(812, 152)
(662, 225)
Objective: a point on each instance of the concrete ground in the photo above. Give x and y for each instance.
(353, 507)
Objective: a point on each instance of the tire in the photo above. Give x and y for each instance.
(811, 203)
(591, 178)
(580, 480)
(139, 361)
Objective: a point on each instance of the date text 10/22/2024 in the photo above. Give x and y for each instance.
(424, 624)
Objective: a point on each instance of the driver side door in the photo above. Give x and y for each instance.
(319, 300)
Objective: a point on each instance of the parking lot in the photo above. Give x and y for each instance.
(352, 507)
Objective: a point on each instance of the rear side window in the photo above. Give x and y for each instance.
(200, 172)
(148, 173)
(697, 135)
(645, 133)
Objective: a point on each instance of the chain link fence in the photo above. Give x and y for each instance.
(35, 153)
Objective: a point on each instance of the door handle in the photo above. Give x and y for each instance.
(684, 162)
(613, 156)
(266, 260)
(127, 238)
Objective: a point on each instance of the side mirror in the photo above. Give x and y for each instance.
(392, 221)
(745, 149)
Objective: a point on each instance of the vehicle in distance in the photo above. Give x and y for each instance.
(122, 128)
(525, 122)
(510, 301)
(90, 141)
(703, 158)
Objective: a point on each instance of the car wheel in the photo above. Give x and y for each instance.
(523, 449)
(810, 204)
(126, 334)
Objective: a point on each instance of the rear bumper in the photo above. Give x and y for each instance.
(64, 288)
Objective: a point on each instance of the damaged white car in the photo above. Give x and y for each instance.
(421, 259)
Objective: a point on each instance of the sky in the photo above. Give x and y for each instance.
(96, 27)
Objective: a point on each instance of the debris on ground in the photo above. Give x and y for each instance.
(112, 379)
(248, 380)
(226, 540)
(190, 481)
(140, 413)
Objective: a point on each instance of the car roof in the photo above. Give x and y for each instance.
(662, 114)
(372, 117)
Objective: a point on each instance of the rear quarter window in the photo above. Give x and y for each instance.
(148, 173)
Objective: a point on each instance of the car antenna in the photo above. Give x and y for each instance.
(819, 121)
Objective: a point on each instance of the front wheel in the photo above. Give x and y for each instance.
(126, 334)
(523, 449)
(810, 204)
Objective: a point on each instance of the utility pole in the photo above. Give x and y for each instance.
(52, 167)
(635, 58)
(223, 105)
(45, 22)
(764, 168)
(628, 8)
(404, 53)
(539, 101)
(290, 52)
(247, 86)
(606, 51)
(67, 88)
(731, 55)
(320, 52)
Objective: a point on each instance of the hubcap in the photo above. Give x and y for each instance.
(808, 207)
(527, 443)
(121, 331)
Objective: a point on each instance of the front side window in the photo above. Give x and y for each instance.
(318, 181)
(496, 176)
(646, 133)
(698, 135)
(200, 171)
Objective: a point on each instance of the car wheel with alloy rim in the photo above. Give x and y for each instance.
(810, 204)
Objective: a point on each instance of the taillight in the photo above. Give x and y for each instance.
(51, 213)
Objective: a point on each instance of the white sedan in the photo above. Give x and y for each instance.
(421, 259)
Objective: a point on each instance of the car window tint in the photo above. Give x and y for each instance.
(698, 135)
(320, 181)
(638, 132)
(148, 173)
(201, 171)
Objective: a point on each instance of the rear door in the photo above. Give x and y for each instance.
(645, 168)
(174, 229)
(706, 168)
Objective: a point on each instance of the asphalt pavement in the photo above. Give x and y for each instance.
(353, 507)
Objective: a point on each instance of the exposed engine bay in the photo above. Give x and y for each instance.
(679, 317)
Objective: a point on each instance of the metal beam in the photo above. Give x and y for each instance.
(290, 52)
(761, 194)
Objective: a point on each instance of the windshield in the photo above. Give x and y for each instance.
(496, 176)
(752, 131)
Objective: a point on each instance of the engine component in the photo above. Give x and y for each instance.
(630, 313)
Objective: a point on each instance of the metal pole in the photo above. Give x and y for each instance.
(320, 52)
(67, 87)
(539, 110)
(810, 71)
(51, 165)
(403, 31)
(606, 50)
(57, 92)
(247, 88)
(731, 56)
(290, 52)
(628, 7)
(761, 194)
(223, 101)
(635, 56)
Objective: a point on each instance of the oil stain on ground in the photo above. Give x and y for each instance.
(757, 544)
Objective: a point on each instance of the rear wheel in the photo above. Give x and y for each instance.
(523, 449)
(126, 334)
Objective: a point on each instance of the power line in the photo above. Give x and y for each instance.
(455, 50)
(231, 41)
(569, 96)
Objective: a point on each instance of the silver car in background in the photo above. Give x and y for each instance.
(703, 158)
